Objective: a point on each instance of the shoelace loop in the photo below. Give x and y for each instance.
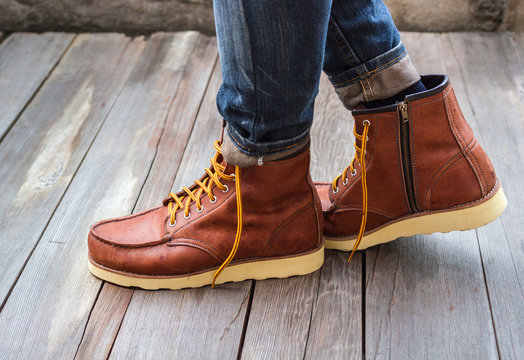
(206, 185)
(360, 157)
(214, 176)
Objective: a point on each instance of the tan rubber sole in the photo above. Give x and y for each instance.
(257, 270)
(446, 221)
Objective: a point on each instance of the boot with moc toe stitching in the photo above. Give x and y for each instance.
(418, 169)
(233, 224)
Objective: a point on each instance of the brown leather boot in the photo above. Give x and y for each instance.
(263, 221)
(418, 169)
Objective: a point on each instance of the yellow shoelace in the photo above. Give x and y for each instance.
(206, 185)
(360, 157)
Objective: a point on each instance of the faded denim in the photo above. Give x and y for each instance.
(272, 53)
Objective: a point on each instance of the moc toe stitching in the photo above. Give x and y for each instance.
(137, 246)
(123, 218)
(104, 232)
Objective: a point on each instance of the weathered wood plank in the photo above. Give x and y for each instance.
(497, 108)
(25, 62)
(425, 295)
(297, 317)
(47, 311)
(192, 323)
(111, 305)
(280, 316)
(426, 298)
(336, 325)
(50, 139)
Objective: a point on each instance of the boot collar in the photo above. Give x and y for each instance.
(434, 83)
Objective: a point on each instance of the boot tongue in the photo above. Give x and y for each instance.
(229, 169)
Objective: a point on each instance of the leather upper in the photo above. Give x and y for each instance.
(281, 217)
(449, 167)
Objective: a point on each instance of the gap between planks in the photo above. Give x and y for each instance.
(23, 76)
(184, 108)
(60, 279)
(45, 151)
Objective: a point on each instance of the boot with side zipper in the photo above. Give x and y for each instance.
(233, 224)
(418, 169)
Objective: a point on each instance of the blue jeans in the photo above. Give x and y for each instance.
(272, 53)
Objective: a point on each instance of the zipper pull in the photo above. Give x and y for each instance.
(403, 109)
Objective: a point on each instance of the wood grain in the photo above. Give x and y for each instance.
(336, 326)
(45, 147)
(111, 305)
(426, 298)
(497, 109)
(193, 323)
(47, 311)
(25, 62)
(426, 295)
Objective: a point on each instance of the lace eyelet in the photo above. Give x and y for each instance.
(201, 209)
(226, 189)
(345, 182)
(188, 216)
(335, 191)
(173, 224)
(213, 201)
(367, 138)
(366, 122)
(354, 172)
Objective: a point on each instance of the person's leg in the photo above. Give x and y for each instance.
(271, 54)
(418, 167)
(258, 209)
(365, 58)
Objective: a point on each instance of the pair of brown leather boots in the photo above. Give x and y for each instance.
(417, 169)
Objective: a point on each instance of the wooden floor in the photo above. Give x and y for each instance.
(100, 125)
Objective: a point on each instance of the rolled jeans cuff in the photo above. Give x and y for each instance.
(241, 152)
(379, 78)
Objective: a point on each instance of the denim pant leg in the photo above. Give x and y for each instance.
(365, 59)
(271, 54)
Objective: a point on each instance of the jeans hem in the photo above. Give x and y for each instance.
(266, 148)
(380, 85)
(370, 67)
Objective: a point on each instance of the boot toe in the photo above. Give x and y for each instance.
(119, 243)
(138, 230)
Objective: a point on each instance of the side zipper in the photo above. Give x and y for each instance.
(406, 154)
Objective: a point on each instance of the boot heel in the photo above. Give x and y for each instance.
(428, 223)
